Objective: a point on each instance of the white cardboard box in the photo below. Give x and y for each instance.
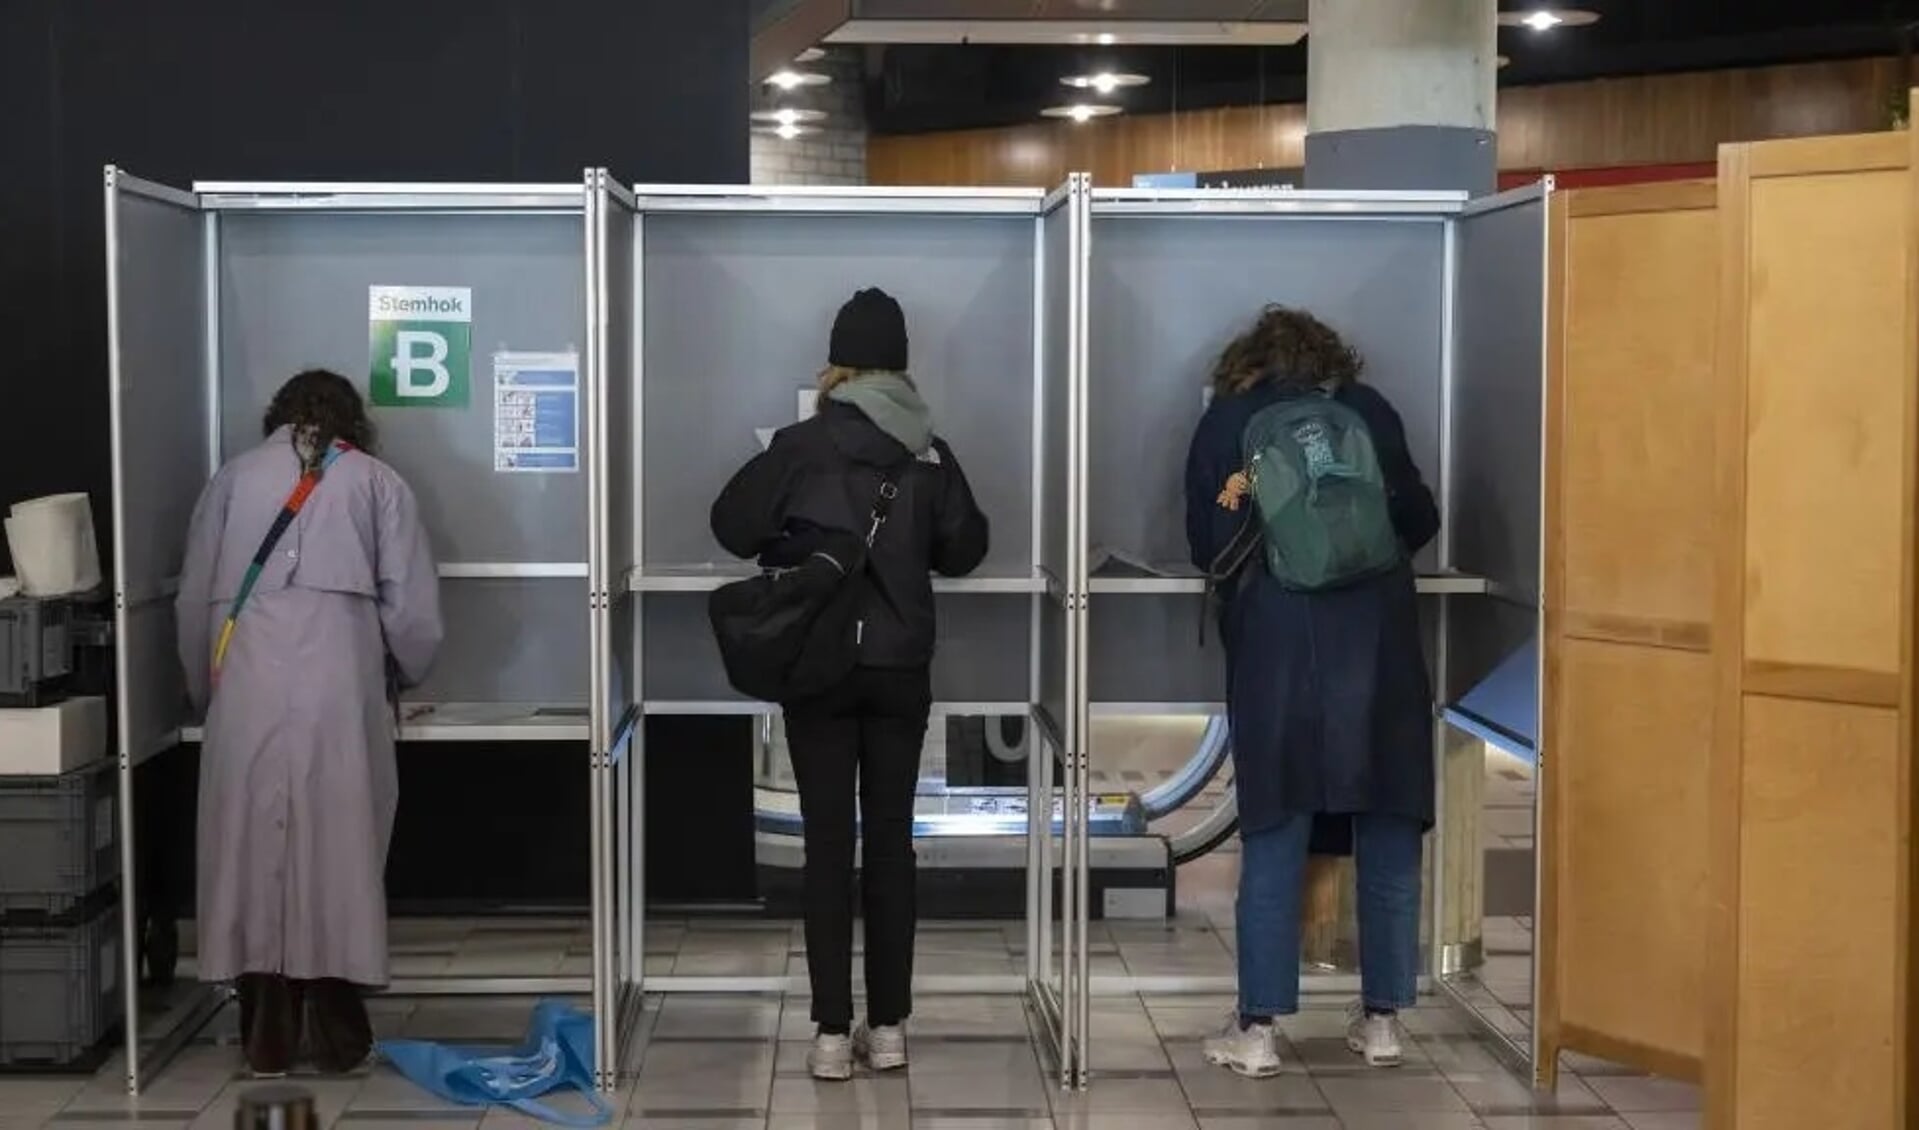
(51, 740)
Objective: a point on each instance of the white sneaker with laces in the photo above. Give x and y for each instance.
(1252, 1051)
(1379, 1038)
(883, 1047)
(830, 1057)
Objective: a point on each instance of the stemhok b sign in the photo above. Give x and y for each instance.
(421, 339)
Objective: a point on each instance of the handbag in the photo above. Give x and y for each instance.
(289, 510)
(788, 634)
(557, 1055)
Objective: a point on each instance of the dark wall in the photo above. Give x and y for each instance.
(188, 90)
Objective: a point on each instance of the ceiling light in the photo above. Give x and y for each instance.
(1546, 19)
(787, 131)
(1080, 112)
(788, 116)
(810, 55)
(790, 79)
(1106, 39)
(1105, 82)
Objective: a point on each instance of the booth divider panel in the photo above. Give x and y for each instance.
(1147, 650)
(161, 309)
(619, 382)
(1629, 589)
(982, 656)
(1058, 325)
(1498, 388)
(511, 641)
(738, 310)
(1166, 295)
(294, 295)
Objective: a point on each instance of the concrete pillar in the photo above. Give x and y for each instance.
(1400, 94)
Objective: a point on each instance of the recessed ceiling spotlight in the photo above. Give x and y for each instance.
(790, 79)
(810, 55)
(1546, 19)
(1106, 39)
(788, 116)
(1105, 82)
(1080, 112)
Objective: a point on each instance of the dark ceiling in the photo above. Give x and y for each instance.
(919, 88)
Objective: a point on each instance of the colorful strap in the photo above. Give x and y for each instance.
(288, 511)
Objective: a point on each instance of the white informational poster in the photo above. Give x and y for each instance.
(809, 400)
(536, 413)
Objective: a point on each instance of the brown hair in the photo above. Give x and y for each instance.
(1287, 346)
(320, 406)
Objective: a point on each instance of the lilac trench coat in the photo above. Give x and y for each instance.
(298, 785)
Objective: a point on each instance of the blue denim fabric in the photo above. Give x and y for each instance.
(1388, 851)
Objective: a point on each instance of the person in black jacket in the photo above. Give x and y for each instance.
(1329, 702)
(815, 486)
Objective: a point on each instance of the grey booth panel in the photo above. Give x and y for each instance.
(1055, 668)
(163, 373)
(1168, 293)
(1498, 386)
(1056, 317)
(623, 662)
(982, 657)
(617, 392)
(293, 295)
(1147, 649)
(738, 308)
(518, 640)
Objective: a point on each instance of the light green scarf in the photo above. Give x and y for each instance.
(894, 406)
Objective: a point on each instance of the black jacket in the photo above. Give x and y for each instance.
(816, 484)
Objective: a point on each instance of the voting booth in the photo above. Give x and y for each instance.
(567, 375)
(462, 313)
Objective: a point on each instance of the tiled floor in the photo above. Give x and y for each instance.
(727, 1062)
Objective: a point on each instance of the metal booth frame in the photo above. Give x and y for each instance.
(1056, 982)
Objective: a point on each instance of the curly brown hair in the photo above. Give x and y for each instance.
(320, 406)
(1287, 346)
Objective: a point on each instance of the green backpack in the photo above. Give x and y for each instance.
(1318, 495)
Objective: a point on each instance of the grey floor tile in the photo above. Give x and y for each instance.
(1330, 1055)
(1467, 1056)
(1268, 1122)
(1215, 1090)
(1379, 1091)
(1410, 1120)
(1497, 1092)
(1128, 1054)
(1665, 1120)
(985, 1122)
(683, 1077)
(995, 1078)
(387, 1093)
(1105, 1120)
(699, 1017)
(863, 1094)
(966, 1016)
(900, 1121)
(1188, 1018)
(1553, 1123)
(352, 1121)
(1161, 1096)
(331, 1099)
(1647, 1095)
(188, 1084)
(674, 1122)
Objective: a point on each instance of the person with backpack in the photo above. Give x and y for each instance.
(1304, 506)
(865, 491)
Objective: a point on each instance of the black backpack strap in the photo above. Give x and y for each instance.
(884, 497)
(1228, 567)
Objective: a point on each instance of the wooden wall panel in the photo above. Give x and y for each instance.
(1657, 119)
(1810, 1005)
(1817, 916)
(1629, 601)
(1638, 447)
(1635, 728)
(1825, 429)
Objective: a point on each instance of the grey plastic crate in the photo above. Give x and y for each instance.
(60, 840)
(60, 998)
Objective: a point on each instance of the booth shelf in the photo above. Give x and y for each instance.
(479, 722)
(752, 706)
(1175, 580)
(705, 578)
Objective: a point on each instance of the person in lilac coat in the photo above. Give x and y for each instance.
(298, 786)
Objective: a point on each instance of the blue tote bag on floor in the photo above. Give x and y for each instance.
(557, 1055)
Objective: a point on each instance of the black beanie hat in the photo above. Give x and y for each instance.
(870, 333)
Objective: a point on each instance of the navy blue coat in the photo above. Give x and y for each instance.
(1327, 693)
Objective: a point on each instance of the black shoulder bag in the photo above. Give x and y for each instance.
(789, 634)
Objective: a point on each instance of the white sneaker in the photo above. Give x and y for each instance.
(1379, 1038)
(830, 1057)
(883, 1048)
(1252, 1051)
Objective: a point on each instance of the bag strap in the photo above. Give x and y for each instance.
(883, 498)
(1229, 566)
(289, 510)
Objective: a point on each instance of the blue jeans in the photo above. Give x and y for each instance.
(1272, 872)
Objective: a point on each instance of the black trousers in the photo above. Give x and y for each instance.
(273, 1010)
(865, 734)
